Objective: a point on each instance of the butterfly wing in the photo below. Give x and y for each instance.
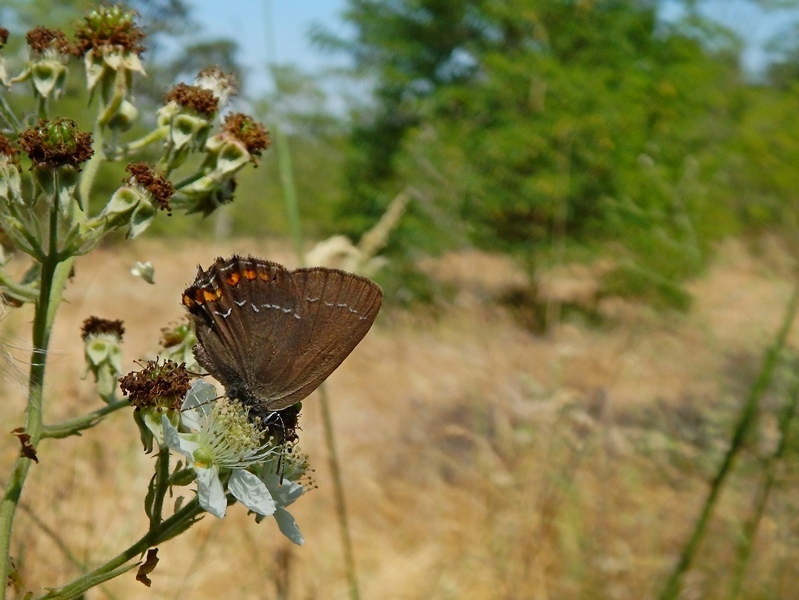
(270, 335)
(337, 310)
(243, 309)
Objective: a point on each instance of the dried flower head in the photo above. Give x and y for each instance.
(42, 40)
(160, 188)
(249, 132)
(200, 100)
(56, 144)
(3, 37)
(110, 27)
(8, 150)
(157, 385)
(50, 51)
(222, 85)
(102, 352)
(94, 326)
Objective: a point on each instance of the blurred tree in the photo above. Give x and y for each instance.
(540, 126)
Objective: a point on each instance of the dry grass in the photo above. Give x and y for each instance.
(480, 461)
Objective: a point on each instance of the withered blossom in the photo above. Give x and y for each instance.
(94, 326)
(42, 40)
(56, 144)
(200, 100)
(160, 188)
(110, 27)
(156, 385)
(249, 132)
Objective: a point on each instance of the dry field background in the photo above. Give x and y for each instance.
(480, 460)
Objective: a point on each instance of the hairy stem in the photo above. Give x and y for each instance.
(118, 565)
(49, 297)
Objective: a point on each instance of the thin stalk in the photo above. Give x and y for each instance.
(761, 497)
(745, 421)
(78, 424)
(290, 197)
(292, 207)
(338, 488)
(9, 116)
(289, 191)
(91, 168)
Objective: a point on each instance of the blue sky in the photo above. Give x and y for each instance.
(248, 22)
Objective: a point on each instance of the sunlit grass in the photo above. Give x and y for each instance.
(480, 461)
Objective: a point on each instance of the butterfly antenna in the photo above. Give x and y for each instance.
(211, 401)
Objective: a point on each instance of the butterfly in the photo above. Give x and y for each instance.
(271, 335)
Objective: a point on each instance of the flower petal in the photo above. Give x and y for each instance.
(252, 492)
(178, 442)
(198, 404)
(288, 526)
(284, 493)
(210, 492)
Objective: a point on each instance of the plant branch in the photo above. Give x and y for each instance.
(745, 422)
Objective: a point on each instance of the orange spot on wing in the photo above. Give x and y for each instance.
(210, 295)
(233, 278)
(250, 274)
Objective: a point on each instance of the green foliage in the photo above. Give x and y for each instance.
(530, 126)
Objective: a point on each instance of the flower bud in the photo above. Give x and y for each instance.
(124, 118)
(49, 52)
(101, 339)
(110, 42)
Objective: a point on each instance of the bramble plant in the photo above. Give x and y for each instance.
(48, 172)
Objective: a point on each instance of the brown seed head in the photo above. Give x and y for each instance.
(249, 132)
(110, 27)
(41, 39)
(199, 100)
(160, 188)
(156, 385)
(56, 144)
(96, 326)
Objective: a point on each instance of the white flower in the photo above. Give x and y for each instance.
(222, 441)
(144, 270)
(284, 494)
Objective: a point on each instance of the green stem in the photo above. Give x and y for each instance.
(9, 115)
(161, 485)
(91, 168)
(745, 421)
(188, 180)
(41, 107)
(117, 565)
(78, 424)
(49, 296)
(289, 191)
(116, 100)
(761, 497)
